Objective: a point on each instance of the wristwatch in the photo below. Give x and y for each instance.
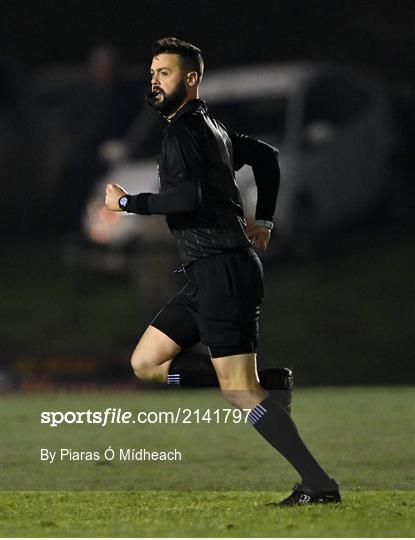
(264, 223)
(123, 201)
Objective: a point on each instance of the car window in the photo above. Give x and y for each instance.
(260, 117)
(334, 100)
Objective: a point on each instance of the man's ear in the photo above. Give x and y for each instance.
(192, 78)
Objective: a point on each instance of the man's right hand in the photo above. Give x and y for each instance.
(113, 193)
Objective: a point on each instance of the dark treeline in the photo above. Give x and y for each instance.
(375, 35)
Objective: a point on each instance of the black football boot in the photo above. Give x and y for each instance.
(304, 495)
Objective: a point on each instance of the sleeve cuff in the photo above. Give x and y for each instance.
(268, 223)
(139, 204)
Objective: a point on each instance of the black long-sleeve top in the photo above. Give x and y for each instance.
(198, 192)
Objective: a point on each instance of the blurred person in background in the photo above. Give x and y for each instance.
(102, 109)
(219, 305)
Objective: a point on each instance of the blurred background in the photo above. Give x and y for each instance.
(329, 83)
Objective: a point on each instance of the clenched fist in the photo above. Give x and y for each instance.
(259, 237)
(113, 193)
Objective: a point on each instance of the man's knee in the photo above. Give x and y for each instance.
(152, 356)
(144, 368)
(139, 365)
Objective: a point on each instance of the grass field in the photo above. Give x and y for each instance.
(363, 436)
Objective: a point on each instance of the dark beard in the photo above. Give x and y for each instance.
(169, 104)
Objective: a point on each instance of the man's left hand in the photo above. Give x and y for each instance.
(260, 237)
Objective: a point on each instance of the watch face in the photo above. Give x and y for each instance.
(123, 202)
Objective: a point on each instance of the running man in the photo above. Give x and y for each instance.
(219, 305)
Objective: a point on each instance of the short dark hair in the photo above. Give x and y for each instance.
(191, 56)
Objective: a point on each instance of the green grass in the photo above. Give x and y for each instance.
(137, 514)
(363, 436)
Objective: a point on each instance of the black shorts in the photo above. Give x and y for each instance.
(218, 306)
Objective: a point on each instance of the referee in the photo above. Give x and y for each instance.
(219, 305)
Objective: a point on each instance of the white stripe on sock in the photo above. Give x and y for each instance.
(256, 414)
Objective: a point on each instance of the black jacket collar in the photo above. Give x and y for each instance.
(190, 106)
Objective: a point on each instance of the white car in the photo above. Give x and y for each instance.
(334, 131)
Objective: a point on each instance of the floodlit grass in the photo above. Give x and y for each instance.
(363, 436)
(136, 514)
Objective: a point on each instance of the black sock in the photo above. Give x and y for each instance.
(272, 422)
(194, 368)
